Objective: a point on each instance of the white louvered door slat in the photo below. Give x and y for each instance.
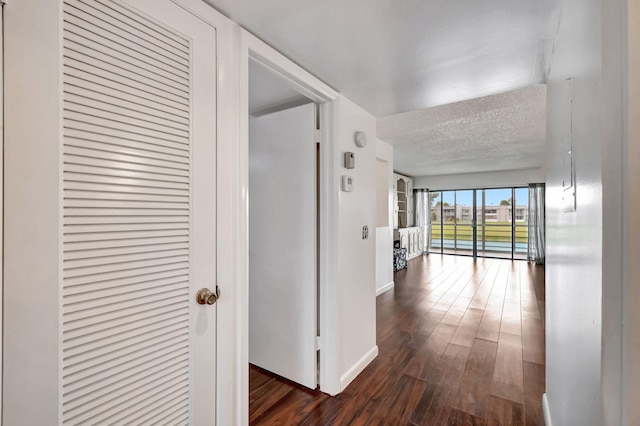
(104, 12)
(78, 85)
(87, 107)
(80, 48)
(72, 176)
(82, 346)
(122, 84)
(146, 80)
(75, 250)
(139, 213)
(128, 45)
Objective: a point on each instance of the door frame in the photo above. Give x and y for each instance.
(2, 4)
(228, 339)
(252, 48)
(228, 410)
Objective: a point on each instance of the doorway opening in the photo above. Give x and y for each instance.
(492, 222)
(283, 195)
(280, 69)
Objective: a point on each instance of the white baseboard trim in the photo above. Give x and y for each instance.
(384, 288)
(357, 368)
(545, 410)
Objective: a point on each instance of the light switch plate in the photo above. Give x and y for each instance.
(347, 183)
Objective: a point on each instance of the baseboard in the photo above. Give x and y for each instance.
(545, 410)
(384, 288)
(357, 368)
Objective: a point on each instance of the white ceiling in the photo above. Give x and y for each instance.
(392, 56)
(494, 133)
(397, 56)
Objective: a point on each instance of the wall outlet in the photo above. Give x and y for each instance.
(365, 232)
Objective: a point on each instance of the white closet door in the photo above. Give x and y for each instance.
(139, 237)
(283, 244)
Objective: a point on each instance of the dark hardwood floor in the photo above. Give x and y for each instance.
(460, 343)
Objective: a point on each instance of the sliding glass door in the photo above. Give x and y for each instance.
(480, 222)
(463, 223)
(494, 228)
(452, 222)
(521, 222)
(448, 207)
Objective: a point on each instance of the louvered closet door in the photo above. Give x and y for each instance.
(139, 235)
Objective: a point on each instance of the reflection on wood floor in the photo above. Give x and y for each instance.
(461, 343)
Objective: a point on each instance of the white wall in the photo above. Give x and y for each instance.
(384, 232)
(481, 180)
(357, 256)
(574, 240)
(632, 170)
(585, 252)
(383, 171)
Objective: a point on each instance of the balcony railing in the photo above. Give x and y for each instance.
(494, 239)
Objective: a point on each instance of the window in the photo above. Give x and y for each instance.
(480, 222)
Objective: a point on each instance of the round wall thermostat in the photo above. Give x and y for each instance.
(361, 139)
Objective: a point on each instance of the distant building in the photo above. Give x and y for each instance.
(491, 213)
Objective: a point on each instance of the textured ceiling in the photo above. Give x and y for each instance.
(499, 132)
(392, 56)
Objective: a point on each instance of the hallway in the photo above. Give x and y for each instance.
(459, 343)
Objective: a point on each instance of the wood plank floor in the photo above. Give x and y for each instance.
(460, 343)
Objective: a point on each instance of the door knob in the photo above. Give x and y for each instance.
(206, 296)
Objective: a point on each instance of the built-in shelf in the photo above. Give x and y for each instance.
(403, 197)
